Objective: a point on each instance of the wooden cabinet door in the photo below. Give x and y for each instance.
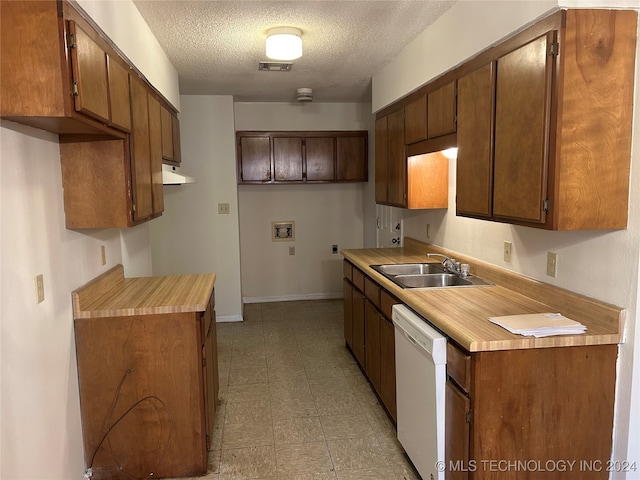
(287, 159)
(381, 156)
(457, 433)
(352, 159)
(255, 159)
(474, 165)
(415, 120)
(348, 312)
(396, 160)
(320, 159)
(120, 111)
(523, 103)
(140, 151)
(441, 111)
(358, 327)
(155, 146)
(210, 375)
(89, 71)
(372, 344)
(177, 150)
(167, 134)
(388, 366)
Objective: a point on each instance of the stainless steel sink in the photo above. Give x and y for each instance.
(408, 268)
(426, 275)
(432, 280)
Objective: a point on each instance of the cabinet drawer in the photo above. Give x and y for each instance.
(347, 269)
(358, 279)
(372, 291)
(459, 367)
(387, 301)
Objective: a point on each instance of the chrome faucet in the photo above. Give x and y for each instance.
(451, 265)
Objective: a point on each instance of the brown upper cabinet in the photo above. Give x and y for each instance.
(116, 183)
(302, 157)
(474, 167)
(406, 176)
(62, 75)
(65, 76)
(391, 160)
(415, 120)
(544, 132)
(170, 137)
(441, 111)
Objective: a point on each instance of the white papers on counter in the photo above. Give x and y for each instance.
(539, 324)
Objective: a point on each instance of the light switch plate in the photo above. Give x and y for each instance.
(223, 208)
(507, 251)
(39, 288)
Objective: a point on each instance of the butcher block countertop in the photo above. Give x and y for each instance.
(462, 313)
(113, 295)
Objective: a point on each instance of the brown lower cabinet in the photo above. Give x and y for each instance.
(369, 332)
(512, 414)
(529, 414)
(148, 392)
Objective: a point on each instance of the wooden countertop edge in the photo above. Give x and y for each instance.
(531, 295)
(113, 295)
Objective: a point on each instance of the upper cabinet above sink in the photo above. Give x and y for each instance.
(544, 124)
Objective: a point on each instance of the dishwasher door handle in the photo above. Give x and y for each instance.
(411, 339)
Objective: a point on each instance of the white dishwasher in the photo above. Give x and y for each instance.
(421, 362)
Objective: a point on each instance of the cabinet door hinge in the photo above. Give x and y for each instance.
(71, 40)
(74, 89)
(554, 49)
(204, 362)
(469, 416)
(545, 205)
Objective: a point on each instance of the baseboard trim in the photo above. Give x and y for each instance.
(228, 318)
(293, 298)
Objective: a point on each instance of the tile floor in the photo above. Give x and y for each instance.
(294, 404)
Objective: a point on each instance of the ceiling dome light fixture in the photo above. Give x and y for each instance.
(284, 43)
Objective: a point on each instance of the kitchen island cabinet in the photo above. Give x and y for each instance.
(147, 370)
(508, 397)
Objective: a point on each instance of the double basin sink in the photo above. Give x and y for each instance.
(426, 275)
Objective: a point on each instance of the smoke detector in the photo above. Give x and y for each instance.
(304, 94)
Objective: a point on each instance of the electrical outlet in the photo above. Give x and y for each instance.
(292, 250)
(334, 248)
(552, 264)
(507, 251)
(103, 255)
(223, 208)
(39, 288)
(428, 230)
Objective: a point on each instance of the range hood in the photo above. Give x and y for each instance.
(171, 176)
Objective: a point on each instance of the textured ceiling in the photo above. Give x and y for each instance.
(216, 45)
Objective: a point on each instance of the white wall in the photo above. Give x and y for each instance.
(324, 214)
(191, 237)
(603, 265)
(41, 435)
